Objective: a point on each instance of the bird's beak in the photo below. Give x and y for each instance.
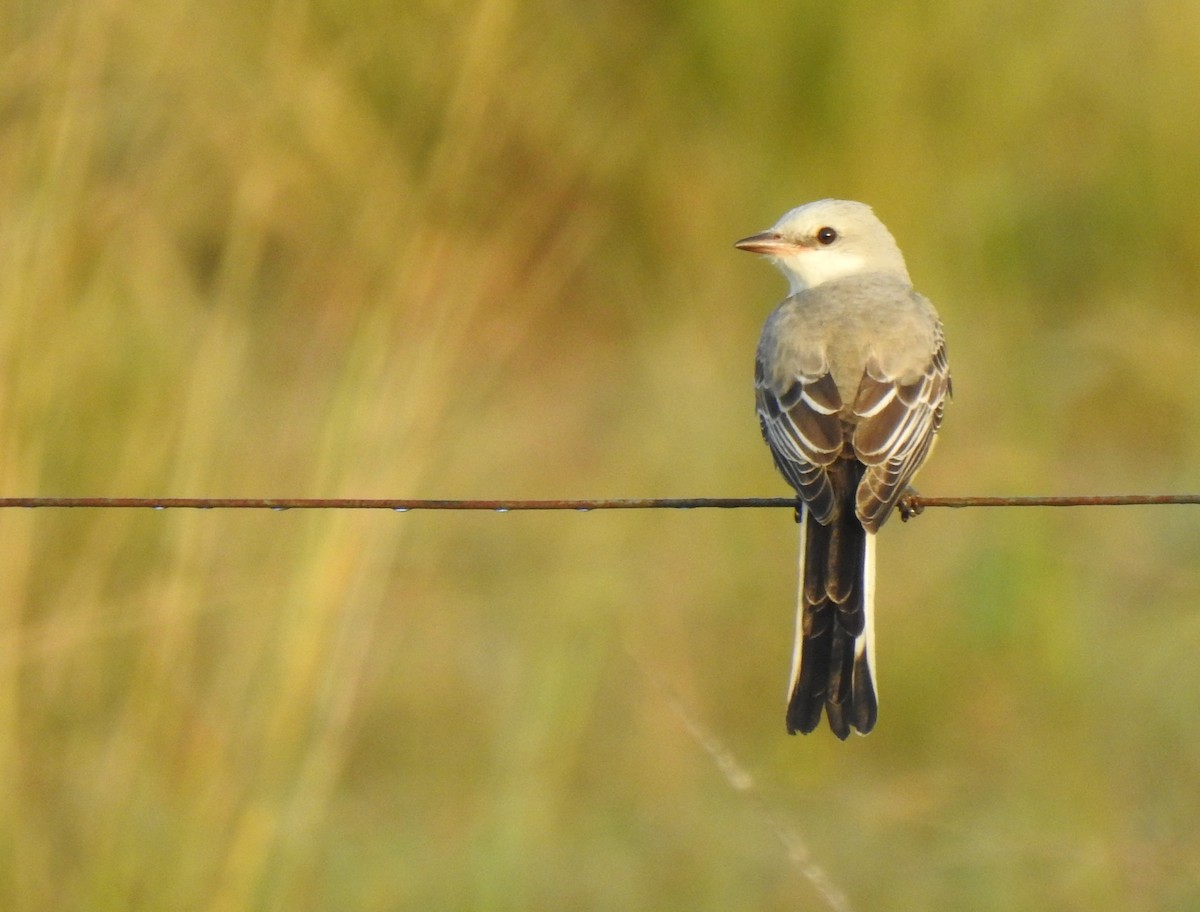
(768, 243)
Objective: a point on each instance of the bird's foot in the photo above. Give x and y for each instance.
(910, 504)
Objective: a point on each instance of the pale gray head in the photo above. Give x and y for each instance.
(825, 240)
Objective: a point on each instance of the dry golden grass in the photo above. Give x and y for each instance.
(482, 249)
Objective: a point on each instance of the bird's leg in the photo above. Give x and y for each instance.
(909, 505)
(799, 514)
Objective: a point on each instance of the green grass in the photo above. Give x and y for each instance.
(452, 250)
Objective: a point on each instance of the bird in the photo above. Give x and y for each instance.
(851, 382)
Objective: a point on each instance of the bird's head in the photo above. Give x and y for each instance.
(826, 240)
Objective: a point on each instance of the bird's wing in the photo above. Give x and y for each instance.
(897, 421)
(801, 424)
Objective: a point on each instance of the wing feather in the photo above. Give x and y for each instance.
(802, 425)
(897, 421)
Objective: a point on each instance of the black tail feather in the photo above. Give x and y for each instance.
(834, 674)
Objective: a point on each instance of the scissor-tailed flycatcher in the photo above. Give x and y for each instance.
(851, 379)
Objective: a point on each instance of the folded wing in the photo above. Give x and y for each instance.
(894, 431)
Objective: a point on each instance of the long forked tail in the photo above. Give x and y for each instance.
(834, 655)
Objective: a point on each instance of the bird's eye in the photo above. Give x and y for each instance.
(826, 236)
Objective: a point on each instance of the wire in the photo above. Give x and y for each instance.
(909, 506)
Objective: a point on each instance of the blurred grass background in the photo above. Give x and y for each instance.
(451, 249)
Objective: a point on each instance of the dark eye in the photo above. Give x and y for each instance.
(826, 236)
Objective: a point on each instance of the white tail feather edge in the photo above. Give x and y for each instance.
(799, 641)
(866, 642)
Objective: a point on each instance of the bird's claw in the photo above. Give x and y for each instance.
(910, 504)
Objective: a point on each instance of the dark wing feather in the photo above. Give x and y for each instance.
(896, 425)
(801, 425)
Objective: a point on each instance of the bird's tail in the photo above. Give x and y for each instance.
(834, 655)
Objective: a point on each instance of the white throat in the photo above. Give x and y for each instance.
(808, 268)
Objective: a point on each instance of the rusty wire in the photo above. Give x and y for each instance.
(911, 505)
